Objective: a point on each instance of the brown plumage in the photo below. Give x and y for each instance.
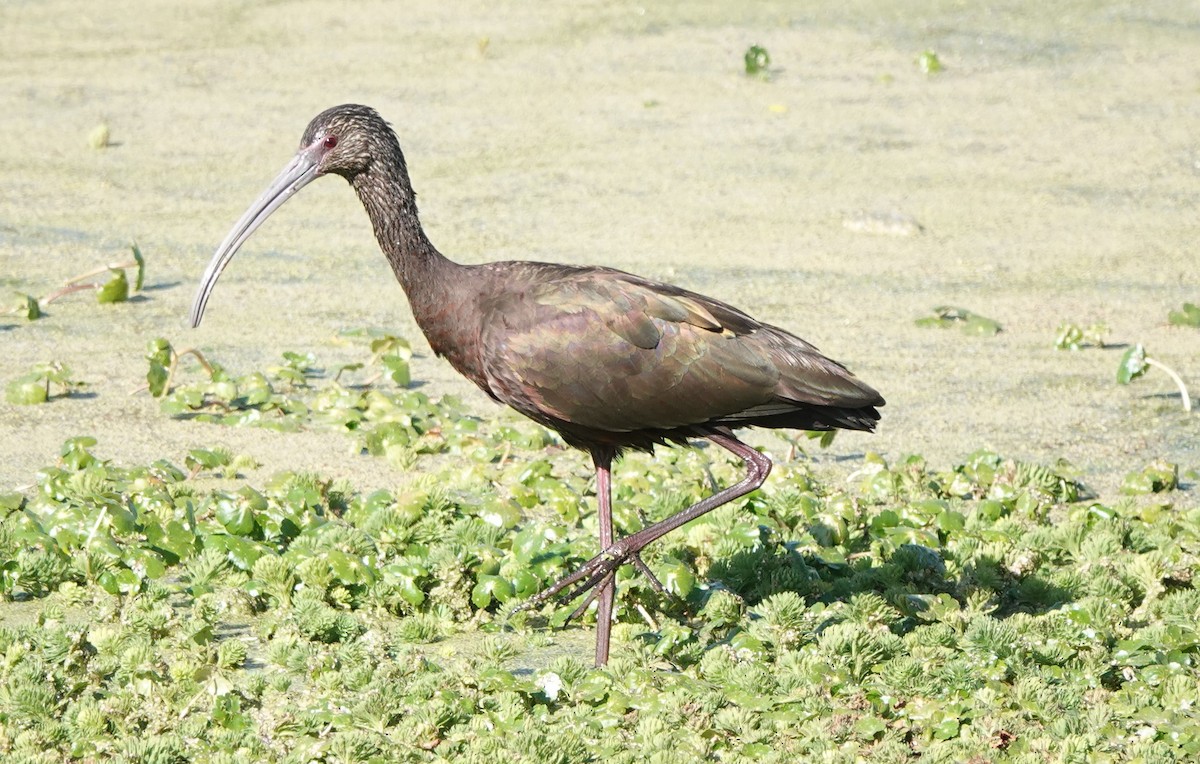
(609, 360)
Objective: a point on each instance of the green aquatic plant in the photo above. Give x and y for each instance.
(929, 62)
(35, 386)
(400, 425)
(115, 288)
(1188, 315)
(1074, 337)
(970, 322)
(1135, 362)
(25, 306)
(389, 354)
(163, 361)
(1155, 478)
(951, 611)
(757, 61)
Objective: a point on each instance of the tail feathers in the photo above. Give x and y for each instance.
(810, 417)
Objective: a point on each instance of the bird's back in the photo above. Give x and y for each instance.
(611, 359)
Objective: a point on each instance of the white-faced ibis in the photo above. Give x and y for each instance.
(609, 360)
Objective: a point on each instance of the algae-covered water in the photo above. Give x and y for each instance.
(1050, 173)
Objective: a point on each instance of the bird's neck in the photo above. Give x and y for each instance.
(439, 291)
(387, 195)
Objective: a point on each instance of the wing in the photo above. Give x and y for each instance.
(612, 352)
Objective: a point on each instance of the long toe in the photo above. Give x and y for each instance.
(585, 578)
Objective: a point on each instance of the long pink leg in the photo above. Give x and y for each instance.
(600, 570)
(608, 587)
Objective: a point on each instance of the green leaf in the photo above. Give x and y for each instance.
(870, 727)
(825, 439)
(348, 570)
(757, 60)
(676, 577)
(202, 458)
(145, 562)
(158, 354)
(175, 539)
(59, 374)
(946, 729)
(981, 326)
(389, 344)
(489, 588)
(970, 322)
(397, 369)
(951, 522)
(236, 515)
(1133, 364)
(120, 581)
(406, 576)
(116, 289)
(28, 307)
(1158, 477)
(74, 452)
(1188, 315)
(27, 390)
(929, 63)
(240, 551)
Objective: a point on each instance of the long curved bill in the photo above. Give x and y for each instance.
(298, 173)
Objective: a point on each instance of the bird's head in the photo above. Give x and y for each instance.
(346, 140)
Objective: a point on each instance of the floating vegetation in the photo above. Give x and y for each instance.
(757, 61)
(1074, 337)
(1156, 478)
(398, 424)
(928, 62)
(36, 385)
(1135, 363)
(25, 306)
(115, 287)
(995, 605)
(945, 316)
(1188, 315)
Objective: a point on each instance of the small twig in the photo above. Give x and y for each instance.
(1183, 391)
(649, 619)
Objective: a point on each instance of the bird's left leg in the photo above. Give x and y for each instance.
(602, 566)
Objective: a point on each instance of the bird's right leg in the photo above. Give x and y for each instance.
(613, 556)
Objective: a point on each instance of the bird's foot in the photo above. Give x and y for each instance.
(592, 577)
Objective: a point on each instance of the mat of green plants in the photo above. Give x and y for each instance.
(294, 535)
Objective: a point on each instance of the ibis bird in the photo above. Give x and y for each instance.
(609, 360)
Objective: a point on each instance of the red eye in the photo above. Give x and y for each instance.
(330, 141)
